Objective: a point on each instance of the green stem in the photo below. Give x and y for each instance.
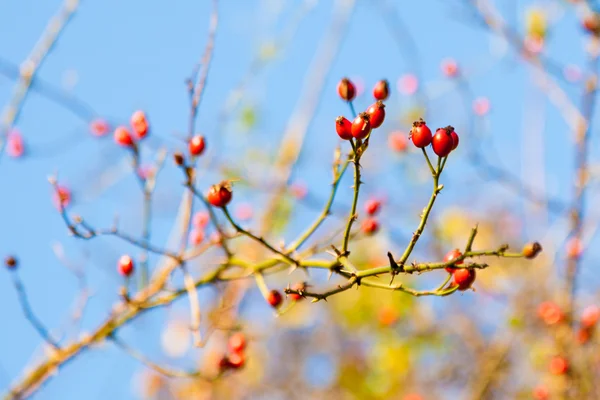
(352, 215)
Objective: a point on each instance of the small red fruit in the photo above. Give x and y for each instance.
(591, 23)
(125, 265)
(420, 134)
(574, 248)
(558, 365)
(370, 226)
(219, 195)
(123, 136)
(274, 298)
(196, 145)
(196, 236)
(454, 140)
(450, 67)
(583, 335)
(15, 146)
(343, 127)
(550, 313)
(397, 141)
(361, 126)
(99, 127)
(590, 316)
(237, 342)
(376, 114)
(531, 250)
(541, 393)
(452, 255)
(381, 91)
(464, 278)
(300, 287)
(61, 197)
(200, 219)
(442, 142)
(372, 206)
(236, 360)
(346, 89)
(139, 123)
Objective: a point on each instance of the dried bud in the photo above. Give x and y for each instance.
(179, 159)
(10, 262)
(531, 250)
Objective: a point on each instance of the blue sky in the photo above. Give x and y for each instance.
(129, 55)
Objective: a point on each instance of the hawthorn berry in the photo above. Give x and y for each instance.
(381, 91)
(139, 123)
(274, 298)
(464, 278)
(125, 265)
(449, 67)
(591, 23)
(346, 89)
(397, 141)
(61, 197)
(531, 250)
(196, 145)
(10, 262)
(343, 127)
(550, 313)
(219, 195)
(361, 126)
(299, 287)
(558, 365)
(455, 139)
(420, 134)
(123, 137)
(452, 255)
(237, 342)
(370, 226)
(541, 393)
(376, 114)
(442, 142)
(372, 206)
(236, 360)
(583, 335)
(590, 316)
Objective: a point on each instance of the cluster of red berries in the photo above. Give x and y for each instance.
(235, 359)
(366, 121)
(461, 277)
(442, 142)
(220, 195)
(370, 225)
(125, 266)
(140, 126)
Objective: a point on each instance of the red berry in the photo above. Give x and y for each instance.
(590, 316)
(125, 265)
(397, 141)
(236, 360)
(372, 206)
(420, 134)
(450, 68)
(61, 197)
(274, 298)
(381, 91)
(346, 89)
(99, 127)
(237, 342)
(591, 23)
(370, 226)
(10, 262)
(442, 142)
(531, 250)
(454, 140)
(583, 335)
(200, 219)
(451, 255)
(219, 195)
(574, 248)
(550, 313)
(558, 365)
(196, 236)
(343, 127)
(464, 278)
(376, 114)
(196, 145)
(298, 287)
(541, 393)
(361, 126)
(123, 136)
(139, 123)
(15, 145)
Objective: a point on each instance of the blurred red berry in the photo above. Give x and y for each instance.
(574, 248)
(274, 298)
(583, 335)
(196, 236)
(219, 195)
(361, 126)
(541, 393)
(346, 89)
(381, 91)
(413, 396)
(370, 226)
(464, 278)
(590, 316)
(139, 123)
(123, 136)
(420, 134)
(450, 68)
(299, 190)
(376, 114)
(558, 365)
(397, 141)
(301, 286)
(236, 360)
(125, 265)
(237, 342)
(452, 255)
(61, 197)
(196, 145)
(343, 127)
(408, 84)
(372, 206)
(550, 313)
(15, 146)
(99, 127)
(442, 142)
(10, 262)
(200, 219)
